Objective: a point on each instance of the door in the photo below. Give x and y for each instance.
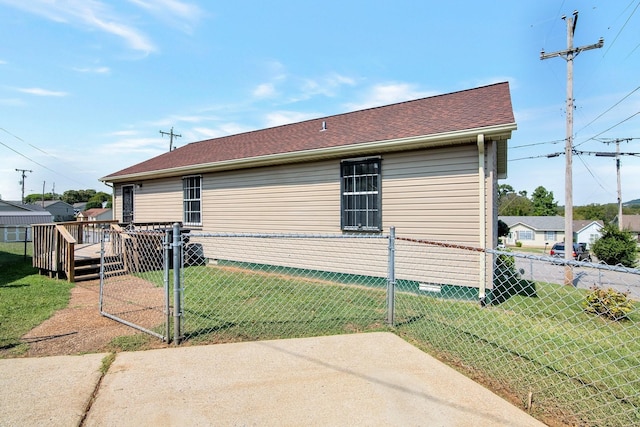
(127, 204)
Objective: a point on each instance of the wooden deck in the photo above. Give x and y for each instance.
(71, 250)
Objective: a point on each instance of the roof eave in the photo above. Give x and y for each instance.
(497, 132)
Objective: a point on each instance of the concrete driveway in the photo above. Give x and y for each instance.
(371, 379)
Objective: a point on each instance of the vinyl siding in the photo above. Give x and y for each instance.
(432, 194)
(426, 194)
(302, 198)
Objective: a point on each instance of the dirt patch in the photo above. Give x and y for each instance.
(79, 328)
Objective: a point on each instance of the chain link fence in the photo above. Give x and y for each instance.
(507, 320)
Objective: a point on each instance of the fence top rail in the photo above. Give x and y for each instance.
(72, 223)
(291, 235)
(562, 261)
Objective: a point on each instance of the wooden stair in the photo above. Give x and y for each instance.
(89, 268)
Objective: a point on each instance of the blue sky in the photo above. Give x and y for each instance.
(86, 85)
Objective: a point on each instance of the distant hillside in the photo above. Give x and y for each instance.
(634, 202)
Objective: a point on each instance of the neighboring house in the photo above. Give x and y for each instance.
(542, 231)
(79, 207)
(15, 219)
(587, 231)
(534, 231)
(429, 167)
(630, 223)
(95, 214)
(60, 210)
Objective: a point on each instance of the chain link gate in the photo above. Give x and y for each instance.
(134, 279)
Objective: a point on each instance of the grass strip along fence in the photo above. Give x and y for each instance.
(26, 298)
(532, 341)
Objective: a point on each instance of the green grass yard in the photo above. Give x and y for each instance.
(26, 298)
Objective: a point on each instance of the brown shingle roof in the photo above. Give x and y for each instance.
(469, 109)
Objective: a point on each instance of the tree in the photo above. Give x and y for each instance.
(543, 203)
(514, 205)
(503, 228)
(37, 198)
(616, 247)
(77, 196)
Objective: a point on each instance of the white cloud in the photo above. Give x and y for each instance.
(222, 130)
(2, 62)
(92, 14)
(41, 92)
(279, 118)
(177, 13)
(264, 90)
(147, 146)
(96, 70)
(389, 93)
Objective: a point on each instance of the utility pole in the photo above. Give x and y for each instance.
(569, 54)
(617, 156)
(171, 135)
(24, 175)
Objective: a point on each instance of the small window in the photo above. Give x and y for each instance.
(360, 187)
(550, 236)
(192, 200)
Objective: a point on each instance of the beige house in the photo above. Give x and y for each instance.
(544, 231)
(429, 167)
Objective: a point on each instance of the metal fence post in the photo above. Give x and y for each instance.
(166, 277)
(391, 280)
(101, 290)
(177, 304)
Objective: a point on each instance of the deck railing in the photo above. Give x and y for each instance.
(54, 244)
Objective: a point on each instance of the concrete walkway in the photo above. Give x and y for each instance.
(364, 379)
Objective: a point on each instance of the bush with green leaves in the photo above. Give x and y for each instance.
(616, 247)
(608, 303)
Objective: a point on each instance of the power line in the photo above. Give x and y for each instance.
(40, 164)
(622, 28)
(557, 141)
(606, 111)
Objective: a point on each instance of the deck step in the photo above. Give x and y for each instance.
(89, 268)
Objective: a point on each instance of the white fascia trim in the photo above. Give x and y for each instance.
(434, 140)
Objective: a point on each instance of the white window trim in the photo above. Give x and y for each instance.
(185, 201)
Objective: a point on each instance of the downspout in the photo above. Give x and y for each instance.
(483, 221)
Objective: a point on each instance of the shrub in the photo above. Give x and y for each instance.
(518, 243)
(608, 303)
(616, 247)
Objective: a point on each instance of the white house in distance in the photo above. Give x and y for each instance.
(95, 214)
(543, 231)
(429, 167)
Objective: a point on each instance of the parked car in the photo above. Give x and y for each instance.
(580, 251)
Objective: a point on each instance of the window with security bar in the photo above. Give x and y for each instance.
(192, 200)
(361, 201)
